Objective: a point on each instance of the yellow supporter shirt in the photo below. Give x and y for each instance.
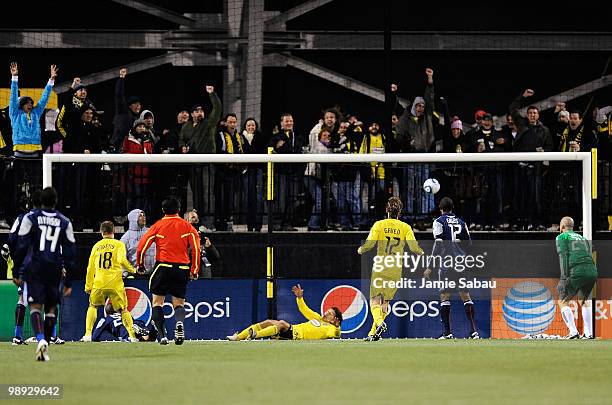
(106, 262)
(316, 328)
(376, 146)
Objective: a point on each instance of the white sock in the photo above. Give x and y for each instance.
(568, 318)
(587, 320)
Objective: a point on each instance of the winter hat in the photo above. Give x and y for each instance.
(479, 114)
(79, 87)
(139, 122)
(457, 124)
(132, 100)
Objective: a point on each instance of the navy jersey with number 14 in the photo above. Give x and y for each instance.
(49, 235)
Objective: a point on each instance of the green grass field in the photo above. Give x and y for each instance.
(325, 372)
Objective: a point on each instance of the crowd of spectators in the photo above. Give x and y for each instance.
(344, 197)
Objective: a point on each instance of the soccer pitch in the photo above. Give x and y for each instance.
(321, 372)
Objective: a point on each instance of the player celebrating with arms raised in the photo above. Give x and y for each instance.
(448, 231)
(105, 280)
(578, 277)
(390, 236)
(174, 238)
(326, 326)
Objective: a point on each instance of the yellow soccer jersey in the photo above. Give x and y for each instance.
(316, 328)
(106, 262)
(390, 236)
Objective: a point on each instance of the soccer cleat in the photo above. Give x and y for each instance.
(42, 351)
(443, 336)
(371, 338)
(18, 341)
(576, 336)
(586, 337)
(179, 333)
(133, 340)
(474, 335)
(382, 328)
(56, 341)
(85, 338)
(31, 340)
(233, 338)
(163, 341)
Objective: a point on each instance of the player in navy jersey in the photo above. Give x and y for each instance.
(111, 328)
(449, 231)
(49, 235)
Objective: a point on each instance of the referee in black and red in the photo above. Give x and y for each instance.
(175, 239)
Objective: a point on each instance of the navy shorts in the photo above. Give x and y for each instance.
(450, 274)
(47, 294)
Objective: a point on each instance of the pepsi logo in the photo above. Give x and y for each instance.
(351, 302)
(139, 304)
(529, 307)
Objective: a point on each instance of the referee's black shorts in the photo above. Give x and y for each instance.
(169, 278)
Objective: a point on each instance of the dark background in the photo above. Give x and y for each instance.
(468, 80)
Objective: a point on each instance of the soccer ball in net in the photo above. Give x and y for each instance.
(431, 186)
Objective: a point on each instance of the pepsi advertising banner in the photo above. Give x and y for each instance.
(418, 318)
(217, 308)
(214, 308)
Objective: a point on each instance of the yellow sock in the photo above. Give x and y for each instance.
(377, 315)
(267, 332)
(128, 322)
(372, 330)
(90, 319)
(245, 333)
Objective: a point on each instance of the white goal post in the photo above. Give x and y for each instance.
(588, 164)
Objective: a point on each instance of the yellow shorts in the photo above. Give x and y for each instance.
(118, 297)
(378, 286)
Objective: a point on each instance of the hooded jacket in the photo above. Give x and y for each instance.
(154, 137)
(26, 127)
(419, 130)
(131, 238)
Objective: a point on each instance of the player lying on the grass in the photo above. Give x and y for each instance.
(326, 326)
(448, 231)
(111, 328)
(578, 277)
(105, 279)
(389, 235)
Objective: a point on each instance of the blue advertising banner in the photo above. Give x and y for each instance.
(214, 308)
(217, 308)
(408, 318)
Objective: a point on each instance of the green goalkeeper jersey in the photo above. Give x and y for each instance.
(574, 250)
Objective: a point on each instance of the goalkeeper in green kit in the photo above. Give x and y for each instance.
(578, 277)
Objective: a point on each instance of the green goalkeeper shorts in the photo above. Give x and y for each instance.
(581, 282)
